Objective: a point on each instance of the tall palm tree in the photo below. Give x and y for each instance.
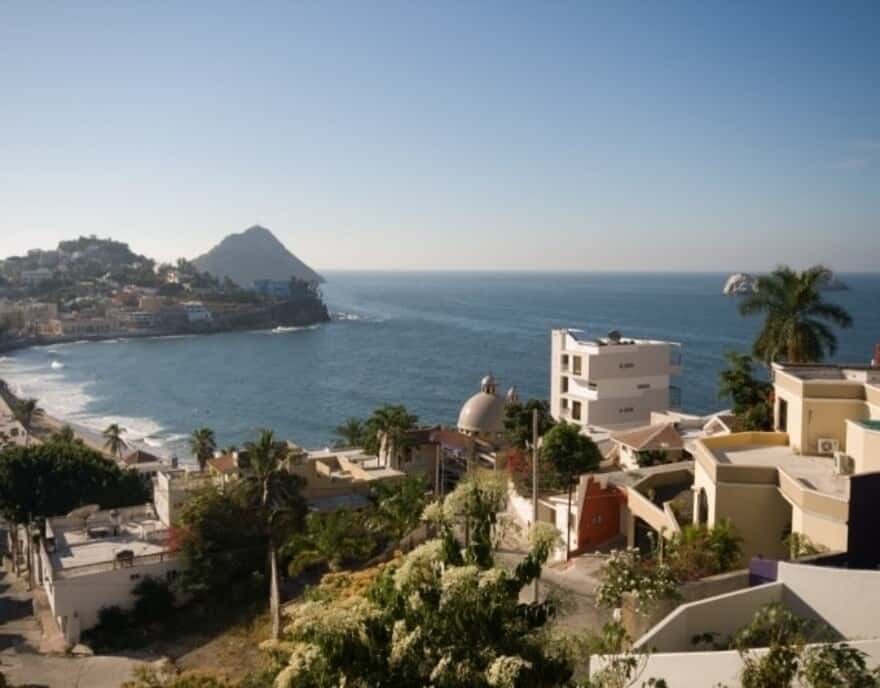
(389, 423)
(275, 493)
(113, 441)
(202, 444)
(24, 411)
(351, 432)
(795, 329)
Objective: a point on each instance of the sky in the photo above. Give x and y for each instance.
(449, 135)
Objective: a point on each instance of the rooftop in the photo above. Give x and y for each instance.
(614, 338)
(828, 371)
(93, 545)
(812, 472)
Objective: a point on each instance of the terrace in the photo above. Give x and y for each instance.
(105, 541)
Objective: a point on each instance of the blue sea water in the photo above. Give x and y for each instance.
(421, 339)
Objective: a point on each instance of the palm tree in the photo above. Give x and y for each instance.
(331, 539)
(795, 328)
(113, 439)
(24, 411)
(275, 493)
(389, 423)
(398, 506)
(351, 432)
(202, 444)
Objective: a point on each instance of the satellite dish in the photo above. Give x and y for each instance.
(614, 336)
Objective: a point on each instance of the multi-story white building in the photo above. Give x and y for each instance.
(613, 381)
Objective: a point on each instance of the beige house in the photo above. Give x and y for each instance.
(611, 382)
(814, 403)
(815, 477)
(648, 445)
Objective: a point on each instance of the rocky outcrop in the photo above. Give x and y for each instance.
(254, 254)
(740, 283)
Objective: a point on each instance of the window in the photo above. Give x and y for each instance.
(626, 409)
(623, 366)
(563, 383)
(644, 385)
(565, 403)
(592, 385)
(576, 365)
(597, 520)
(565, 361)
(576, 410)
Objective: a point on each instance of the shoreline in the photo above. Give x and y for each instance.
(44, 425)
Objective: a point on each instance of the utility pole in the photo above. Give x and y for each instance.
(535, 482)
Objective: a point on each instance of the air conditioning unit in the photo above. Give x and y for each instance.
(843, 464)
(827, 445)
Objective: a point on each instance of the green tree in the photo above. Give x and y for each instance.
(52, 479)
(572, 454)
(350, 433)
(113, 441)
(65, 435)
(24, 411)
(795, 328)
(389, 423)
(331, 539)
(202, 444)
(518, 421)
(223, 543)
(275, 494)
(398, 506)
(440, 615)
(830, 666)
(750, 396)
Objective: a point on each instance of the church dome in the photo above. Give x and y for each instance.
(483, 413)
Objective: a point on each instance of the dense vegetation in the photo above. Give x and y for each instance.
(442, 615)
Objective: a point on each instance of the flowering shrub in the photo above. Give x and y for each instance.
(626, 571)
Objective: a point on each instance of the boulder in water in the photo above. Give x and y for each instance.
(740, 283)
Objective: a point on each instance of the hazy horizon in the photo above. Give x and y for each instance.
(682, 137)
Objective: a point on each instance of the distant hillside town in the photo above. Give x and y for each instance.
(96, 288)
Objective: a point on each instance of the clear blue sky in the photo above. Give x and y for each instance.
(412, 135)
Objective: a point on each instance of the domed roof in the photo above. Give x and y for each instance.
(482, 413)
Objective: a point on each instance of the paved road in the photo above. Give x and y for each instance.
(20, 636)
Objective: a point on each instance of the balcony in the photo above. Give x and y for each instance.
(675, 398)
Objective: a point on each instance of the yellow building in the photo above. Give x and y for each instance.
(816, 476)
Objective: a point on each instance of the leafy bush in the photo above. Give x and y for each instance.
(627, 571)
(154, 601)
(699, 551)
(829, 666)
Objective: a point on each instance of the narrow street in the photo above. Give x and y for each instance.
(20, 641)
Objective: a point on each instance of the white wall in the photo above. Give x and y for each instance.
(704, 669)
(848, 600)
(84, 595)
(722, 614)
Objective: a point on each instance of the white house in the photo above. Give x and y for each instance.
(91, 559)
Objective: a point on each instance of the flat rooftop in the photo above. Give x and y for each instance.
(100, 542)
(813, 472)
(827, 371)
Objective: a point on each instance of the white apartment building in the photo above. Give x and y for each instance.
(611, 382)
(196, 312)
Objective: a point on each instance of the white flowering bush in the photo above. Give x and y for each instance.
(443, 615)
(626, 571)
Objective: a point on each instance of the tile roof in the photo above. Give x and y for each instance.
(650, 437)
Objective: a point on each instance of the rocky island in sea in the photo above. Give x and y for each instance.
(91, 288)
(746, 283)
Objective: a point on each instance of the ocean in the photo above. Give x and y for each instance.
(420, 339)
